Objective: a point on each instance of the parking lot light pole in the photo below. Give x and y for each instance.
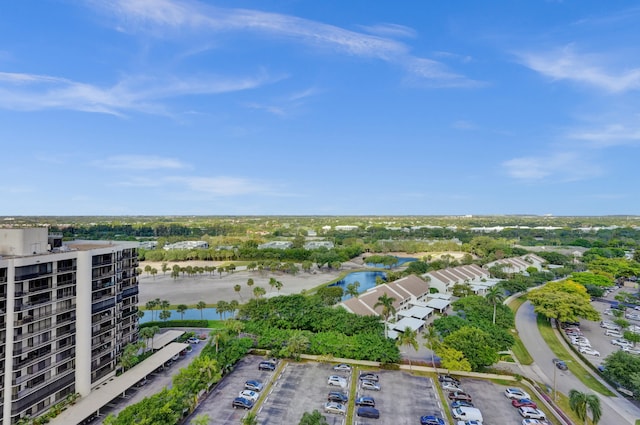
(555, 392)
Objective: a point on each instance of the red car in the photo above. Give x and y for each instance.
(523, 402)
(459, 395)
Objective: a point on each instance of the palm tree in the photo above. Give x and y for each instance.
(250, 419)
(222, 307)
(250, 282)
(297, 343)
(387, 309)
(433, 340)
(181, 308)
(233, 307)
(408, 337)
(581, 402)
(201, 306)
(259, 291)
(151, 305)
(202, 419)
(278, 286)
(352, 289)
(494, 295)
(237, 288)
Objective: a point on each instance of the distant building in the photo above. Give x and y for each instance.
(444, 280)
(318, 244)
(149, 244)
(276, 245)
(346, 228)
(187, 245)
(518, 264)
(66, 310)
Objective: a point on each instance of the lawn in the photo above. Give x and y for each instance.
(518, 349)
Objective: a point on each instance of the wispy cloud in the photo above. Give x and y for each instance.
(159, 16)
(139, 162)
(608, 136)
(464, 125)
(19, 91)
(224, 185)
(590, 69)
(561, 166)
(284, 105)
(390, 30)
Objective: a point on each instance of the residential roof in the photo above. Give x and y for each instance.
(105, 393)
(416, 311)
(164, 338)
(401, 290)
(410, 322)
(438, 304)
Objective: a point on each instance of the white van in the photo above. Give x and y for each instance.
(609, 325)
(467, 414)
(613, 332)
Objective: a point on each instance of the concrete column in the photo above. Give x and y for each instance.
(83, 323)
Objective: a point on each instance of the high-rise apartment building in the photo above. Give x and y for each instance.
(66, 312)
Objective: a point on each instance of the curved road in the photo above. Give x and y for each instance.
(615, 410)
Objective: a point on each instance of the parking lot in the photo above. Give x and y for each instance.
(302, 387)
(490, 399)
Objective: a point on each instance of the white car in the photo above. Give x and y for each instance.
(631, 350)
(589, 351)
(609, 325)
(450, 386)
(613, 333)
(337, 381)
(621, 343)
(333, 407)
(531, 413)
(370, 385)
(193, 340)
(342, 367)
(249, 395)
(532, 422)
(516, 393)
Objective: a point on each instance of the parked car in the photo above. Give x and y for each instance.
(249, 395)
(369, 377)
(368, 412)
(450, 386)
(613, 333)
(523, 402)
(253, 385)
(531, 413)
(342, 367)
(560, 364)
(431, 420)
(471, 422)
(631, 350)
(242, 403)
(333, 407)
(459, 395)
(590, 351)
(266, 365)
(621, 342)
(365, 401)
(516, 393)
(338, 397)
(609, 325)
(448, 378)
(337, 381)
(461, 403)
(370, 385)
(193, 340)
(532, 422)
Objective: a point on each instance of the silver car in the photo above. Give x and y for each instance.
(333, 407)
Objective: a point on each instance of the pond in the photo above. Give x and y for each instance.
(401, 261)
(190, 314)
(367, 281)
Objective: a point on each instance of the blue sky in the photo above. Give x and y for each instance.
(319, 107)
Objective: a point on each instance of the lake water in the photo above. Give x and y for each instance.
(367, 281)
(401, 261)
(191, 314)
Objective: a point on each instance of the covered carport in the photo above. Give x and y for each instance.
(416, 311)
(438, 304)
(89, 406)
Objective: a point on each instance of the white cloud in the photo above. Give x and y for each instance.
(223, 185)
(611, 135)
(561, 166)
(139, 162)
(37, 92)
(390, 30)
(160, 16)
(590, 69)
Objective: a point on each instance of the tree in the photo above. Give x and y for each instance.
(352, 289)
(452, 359)
(250, 282)
(151, 305)
(272, 283)
(238, 288)
(164, 268)
(258, 292)
(386, 302)
(432, 338)
(201, 306)
(565, 301)
(221, 308)
(181, 308)
(202, 419)
(297, 343)
(476, 345)
(278, 286)
(250, 419)
(582, 403)
(164, 315)
(148, 333)
(314, 418)
(494, 295)
(408, 337)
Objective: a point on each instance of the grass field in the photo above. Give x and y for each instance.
(518, 349)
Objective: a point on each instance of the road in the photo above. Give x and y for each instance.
(615, 410)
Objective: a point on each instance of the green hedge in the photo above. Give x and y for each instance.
(177, 324)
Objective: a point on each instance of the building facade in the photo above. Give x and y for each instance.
(66, 312)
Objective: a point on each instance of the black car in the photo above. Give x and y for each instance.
(369, 377)
(368, 412)
(338, 397)
(241, 402)
(560, 364)
(448, 378)
(267, 366)
(366, 401)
